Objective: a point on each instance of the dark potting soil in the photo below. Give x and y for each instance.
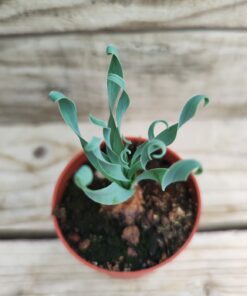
(114, 240)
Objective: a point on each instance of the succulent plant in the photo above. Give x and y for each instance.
(117, 164)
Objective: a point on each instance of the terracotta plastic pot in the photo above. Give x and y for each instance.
(61, 185)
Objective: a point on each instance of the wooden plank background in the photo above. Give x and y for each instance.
(162, 71)
(27, 181)
(35, 268)
(61, 16)
(164, 46)
(170, 50)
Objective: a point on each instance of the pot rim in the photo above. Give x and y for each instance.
(63, 179)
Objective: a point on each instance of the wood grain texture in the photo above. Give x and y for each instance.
(162, 71)
(18, 17)
(213, 264)
(32, 157)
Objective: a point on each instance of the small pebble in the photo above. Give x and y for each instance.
(180, 212)
(160, 203)
(176, 213)
(116, 267)
(131, 252)
(150, 216)
(84, 245)
(145, 224)
(160, 242)
(163, 257)
(150, 262)
(165, 221)
(131, 234)
(74, 237)
(109, 265)
(156, 217)
(172, 216)
(153, 217)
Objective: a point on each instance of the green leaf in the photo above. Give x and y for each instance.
(107, 136)
(134, 168)
(115, 65)
(138, 152)
(152, 174)
(111, 195)
(122, 107)
(144, 153)
(190, 108)
(114, 163)
(124, 155)
(112, 171)
(93, 145)
(115, 68)
(180, 171)
(152, 127)
(115, 137)
(114, 157)
(84, 176)
(118, 80)
(68, 111)
(169, 134)
(149, 151)
(96, 121)
(126, 141)
(113, 91)
(115, 84)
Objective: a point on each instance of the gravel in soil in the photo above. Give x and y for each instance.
(114, 240)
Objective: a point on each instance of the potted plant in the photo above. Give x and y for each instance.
(126, 206)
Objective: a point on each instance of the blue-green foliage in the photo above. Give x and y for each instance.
(116, 164)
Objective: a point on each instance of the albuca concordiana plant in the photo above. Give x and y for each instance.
(123, 169)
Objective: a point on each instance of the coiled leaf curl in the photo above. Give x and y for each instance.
(123, 169)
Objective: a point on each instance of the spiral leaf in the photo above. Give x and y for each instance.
(117, 163)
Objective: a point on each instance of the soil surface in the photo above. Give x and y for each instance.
(108, 237)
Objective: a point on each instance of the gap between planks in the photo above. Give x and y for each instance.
(123, 31)
(51, 235)
(27, 181)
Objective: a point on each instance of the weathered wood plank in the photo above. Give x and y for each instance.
(162, 71)
(18, 17)
(26, 180)
(214, 264)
